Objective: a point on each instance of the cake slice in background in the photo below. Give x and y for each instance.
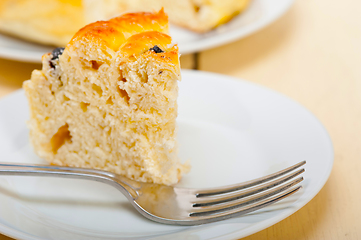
(109, 100)
(196, 15)
(54, 22)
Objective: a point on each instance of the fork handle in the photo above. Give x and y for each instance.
(69, 172)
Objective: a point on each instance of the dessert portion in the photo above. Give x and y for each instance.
(109, 100)
(196, 15)
(54, 22)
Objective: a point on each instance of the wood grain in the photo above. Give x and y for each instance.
(313, 55)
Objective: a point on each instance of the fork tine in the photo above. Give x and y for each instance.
(212, 200)
(227, 206)
(248, 184)
(243, 210)
(247, 209)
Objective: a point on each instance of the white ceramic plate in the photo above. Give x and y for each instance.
(231, 131)
(259, 14)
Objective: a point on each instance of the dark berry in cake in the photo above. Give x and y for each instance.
(55, 55)
(156, 49)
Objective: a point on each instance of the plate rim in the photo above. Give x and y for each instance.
(205, 44)
(279, 217)
(298, 204)
(237, 35)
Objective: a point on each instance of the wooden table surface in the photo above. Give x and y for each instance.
(313, 55)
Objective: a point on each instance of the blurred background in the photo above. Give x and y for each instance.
(307, 50)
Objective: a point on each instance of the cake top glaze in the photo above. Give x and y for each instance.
(132, 29)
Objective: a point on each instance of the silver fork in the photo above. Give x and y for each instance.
(182, 206)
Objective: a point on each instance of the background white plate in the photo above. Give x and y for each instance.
(231, 130)
(259, 14)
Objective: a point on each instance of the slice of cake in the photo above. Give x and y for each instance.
(56, 21)
(196, 15)
(53, 22)
(109, 100)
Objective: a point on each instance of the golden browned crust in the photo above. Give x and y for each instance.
(115, 32)
(127, 35)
